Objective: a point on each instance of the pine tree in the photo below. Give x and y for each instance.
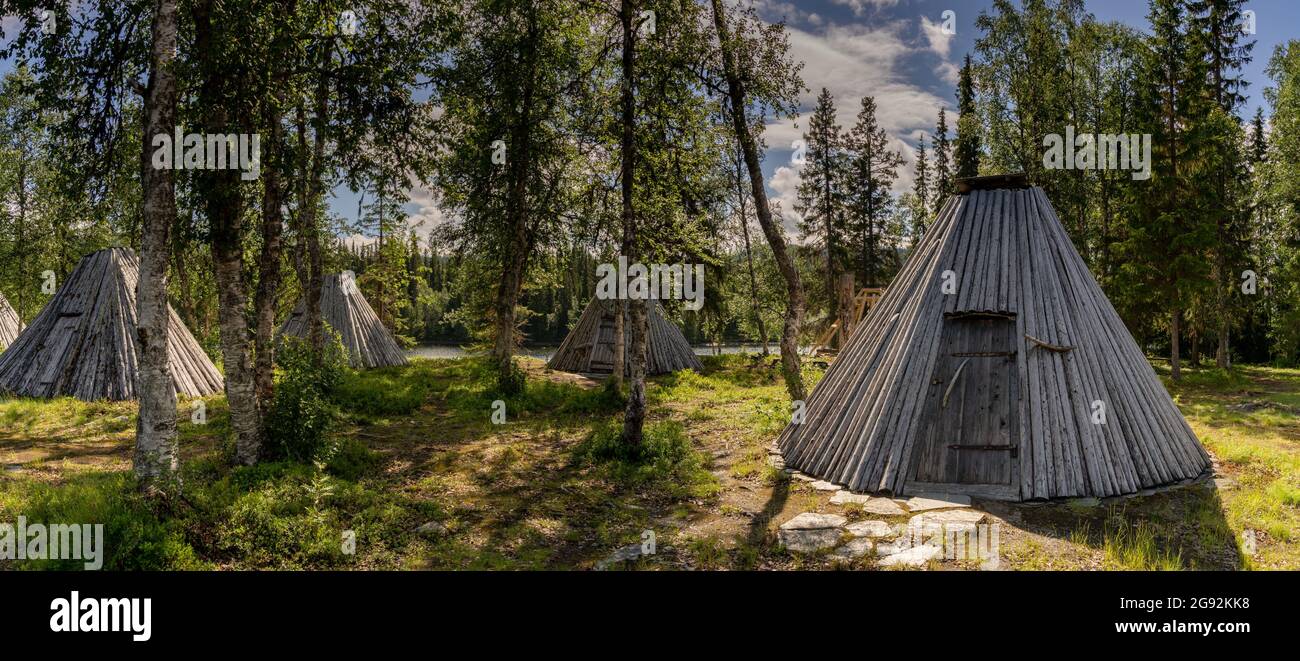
(821, 198)
(1219, 40)
(921, 215)
(1217, 27)
(873, 168)
(1258, 141)
(967, 152)
(1170, 233)
(943, 182)
(1279, 185)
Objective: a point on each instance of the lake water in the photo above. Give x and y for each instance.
(544, 353)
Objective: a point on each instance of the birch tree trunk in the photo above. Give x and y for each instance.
(156, 457)
(268, 282)
(634, 414)
(753, 280)
(775, 237)
(224, 203)
(620, 340)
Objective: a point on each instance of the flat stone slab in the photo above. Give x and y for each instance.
(809, 540)
(623, 554)
(1084, 502)
(947, 517)
(871, 529)
(883, 507)
(843, 497)
(432, 529)
(916, 556)
(936, 501)
(775, 461)
(800, 476)
(814, 521)
(823, 485)
(854, 549)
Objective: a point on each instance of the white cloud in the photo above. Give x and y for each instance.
(780, 10)
(785, 184)
(854, 61)
(949, 72)
(861, 7)
(423, 216)
(939, 41)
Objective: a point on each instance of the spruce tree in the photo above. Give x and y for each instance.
(821, 195)
(967, 152)
(942, 161)
(922, 214)
(873, 168)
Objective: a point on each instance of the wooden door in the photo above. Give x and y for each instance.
(970, 432)
(602, 346)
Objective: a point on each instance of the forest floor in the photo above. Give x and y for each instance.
(423, 479)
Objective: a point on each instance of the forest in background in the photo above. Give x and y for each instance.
(1171, 249)
(559, 134)
(1235, 192)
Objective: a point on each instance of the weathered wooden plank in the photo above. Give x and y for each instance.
(866, 421)
(589, 347)
(344, 309)
(83, 343)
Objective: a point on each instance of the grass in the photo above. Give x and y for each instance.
(423, 479)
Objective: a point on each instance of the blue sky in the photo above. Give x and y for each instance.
(893, 50)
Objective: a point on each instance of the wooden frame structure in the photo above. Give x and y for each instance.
(994, 366)
(343, 308)
(862, 303)
(589, 347)
(10, 324)
(83, 344)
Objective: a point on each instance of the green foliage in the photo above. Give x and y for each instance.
(137, 536)
(389, 391)
(1135, 546)
(512, 380)
(665, 458)
(299, 420)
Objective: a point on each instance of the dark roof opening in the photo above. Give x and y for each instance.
(1008, 181)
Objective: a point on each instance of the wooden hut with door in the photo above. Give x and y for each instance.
(343, 308)
(994, 366)
(10, 324)
(83, 343)
(589, 347)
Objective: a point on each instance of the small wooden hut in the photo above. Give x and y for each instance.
(343, 308)
(10, 324)
(83, 344)
(589, 347)
(994, 366)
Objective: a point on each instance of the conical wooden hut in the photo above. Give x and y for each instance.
(10, 324)
(589, 347)
(994, 366)
(83, 344)
(343, 308)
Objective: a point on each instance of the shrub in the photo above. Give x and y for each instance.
(302, 412)
(665, 459)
